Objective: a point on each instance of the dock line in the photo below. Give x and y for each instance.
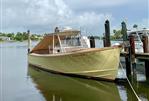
(130, 83)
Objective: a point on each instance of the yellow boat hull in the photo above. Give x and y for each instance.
(96, 62)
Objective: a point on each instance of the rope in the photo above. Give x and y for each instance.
(130, 83)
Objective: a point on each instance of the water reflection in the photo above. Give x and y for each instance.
(142, 89)
(63, 88)
(15, 86)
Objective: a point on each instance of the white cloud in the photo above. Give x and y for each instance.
(44, 15)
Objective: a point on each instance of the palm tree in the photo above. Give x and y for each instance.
(135, 26)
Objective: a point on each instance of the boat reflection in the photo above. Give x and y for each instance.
(56, 87)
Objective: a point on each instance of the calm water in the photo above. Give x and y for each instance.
(19, 82)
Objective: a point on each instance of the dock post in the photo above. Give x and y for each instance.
(132, 58)
(92, 42)
(29, 41)
(106, 40)
(132, 45)
(126, 49)
(146, 50)
(125, 36)
(128, 62)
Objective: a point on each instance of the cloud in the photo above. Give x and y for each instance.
(44, 15)
(99, 3)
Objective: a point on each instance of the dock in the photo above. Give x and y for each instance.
(143, 56)
(130, 55)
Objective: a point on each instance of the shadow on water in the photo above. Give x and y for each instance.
(56, 87)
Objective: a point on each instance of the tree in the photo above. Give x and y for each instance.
(19, 37)
(135, 26)
(11, 35)
(117, 34)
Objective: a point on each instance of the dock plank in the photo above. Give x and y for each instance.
(144, 56)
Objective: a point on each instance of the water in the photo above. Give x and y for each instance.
(20, 82)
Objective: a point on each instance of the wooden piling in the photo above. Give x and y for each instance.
(125, 36)
(106, 40)
(29, 41)
(128, 62)
(132, 54)
(92, 42)
(126, 49)
(132, 46)
(145, 41)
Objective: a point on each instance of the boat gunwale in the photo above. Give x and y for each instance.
(85, 50)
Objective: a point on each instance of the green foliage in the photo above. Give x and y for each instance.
(20, 36)
(117, 34)
(10, 35)
(1, 39)
(3, 34)
(135, 26)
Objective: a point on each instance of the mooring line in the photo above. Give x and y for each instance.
(130, 83)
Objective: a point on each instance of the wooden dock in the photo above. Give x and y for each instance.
(129, 53)
(144, 56)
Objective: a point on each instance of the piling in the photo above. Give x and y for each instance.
(132, 47)
(126, 49)
(106, 40)
(145, 41)
(29, 41)
(128, 62)
(125, 36)
(92, 42)
(132, 53)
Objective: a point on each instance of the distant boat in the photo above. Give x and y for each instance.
(138, 38)
(68, 52)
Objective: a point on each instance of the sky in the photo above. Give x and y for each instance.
(42, 16)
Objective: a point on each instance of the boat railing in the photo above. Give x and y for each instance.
(64, 49)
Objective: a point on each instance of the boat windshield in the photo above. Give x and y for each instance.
(67, 44)
(71, 41)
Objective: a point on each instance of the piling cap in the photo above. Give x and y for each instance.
(107, 21)
(28, 31)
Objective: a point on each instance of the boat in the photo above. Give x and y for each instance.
(138, 33)
(68, 52)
